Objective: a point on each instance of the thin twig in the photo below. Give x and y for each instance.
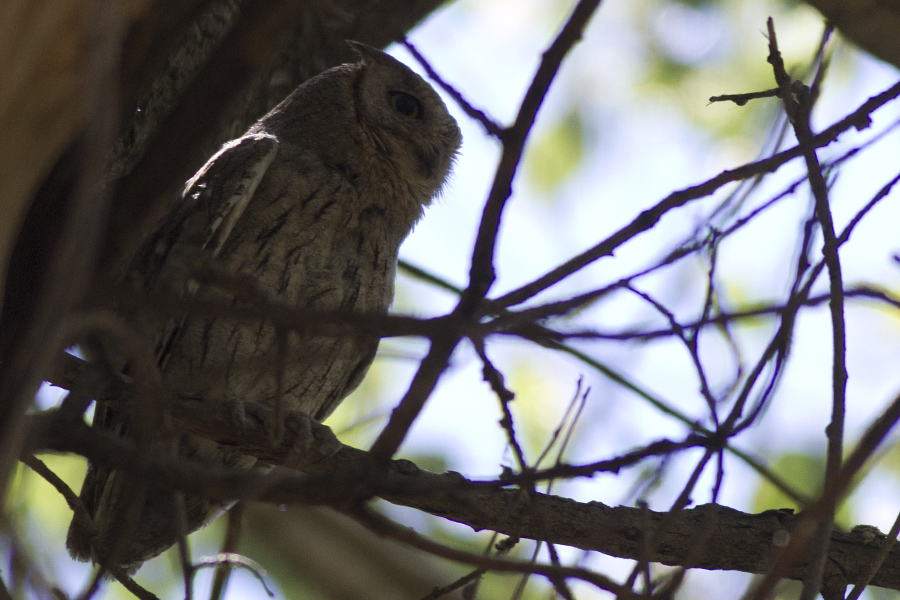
(742, 99)
(481, 275)
(387, 528)
(492, 127)
(238, 560)
(797, 101)
(229, 547)
(495, 380)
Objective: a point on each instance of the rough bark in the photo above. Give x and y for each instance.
(711, 537)
(873, 25)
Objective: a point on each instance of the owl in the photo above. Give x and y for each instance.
(310, 206)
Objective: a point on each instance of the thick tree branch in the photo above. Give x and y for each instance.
(735, 541)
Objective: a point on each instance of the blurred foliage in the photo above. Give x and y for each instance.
(535, 408)
(805, 473)
(890, 460)
(703, 48)
(555, 153)
(682, 53)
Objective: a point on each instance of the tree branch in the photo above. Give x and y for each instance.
(734, 541)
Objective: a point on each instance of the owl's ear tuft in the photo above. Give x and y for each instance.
(367, 53)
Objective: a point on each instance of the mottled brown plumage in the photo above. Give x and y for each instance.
(312, 203)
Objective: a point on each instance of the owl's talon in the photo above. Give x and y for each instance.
(300, 425)
(260, 413)
(326, 443)
(310, 441)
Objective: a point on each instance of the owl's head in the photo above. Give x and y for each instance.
(406, 120)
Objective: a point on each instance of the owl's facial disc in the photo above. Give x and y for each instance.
(407, 121)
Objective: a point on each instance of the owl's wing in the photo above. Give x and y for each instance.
(229, 180)
(212, 202)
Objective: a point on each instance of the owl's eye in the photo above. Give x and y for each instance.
(407, 105)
